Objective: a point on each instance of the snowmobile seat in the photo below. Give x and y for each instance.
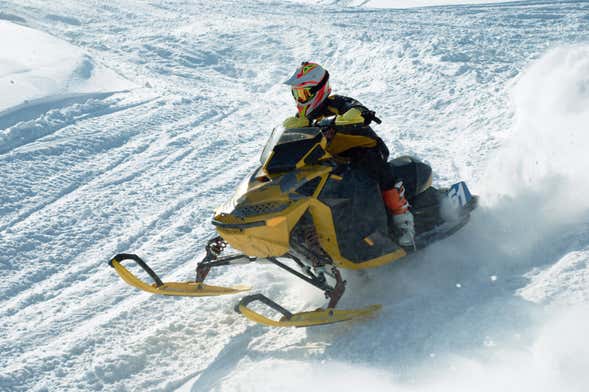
(416, 175)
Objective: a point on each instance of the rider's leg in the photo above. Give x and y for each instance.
(393, 193)
(397, 204)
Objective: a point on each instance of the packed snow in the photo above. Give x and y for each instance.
(127, 123)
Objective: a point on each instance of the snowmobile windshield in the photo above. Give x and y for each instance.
(274, 137)
(280, 135)
(292, 148)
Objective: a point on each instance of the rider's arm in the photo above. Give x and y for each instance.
(296, 122)
(349, 111)
(351, 117)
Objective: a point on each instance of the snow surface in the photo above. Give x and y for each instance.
(39, 73)
(35, 65)
(401, 3)
(495, 94)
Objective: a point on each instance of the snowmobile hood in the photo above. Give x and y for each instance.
(259, 217)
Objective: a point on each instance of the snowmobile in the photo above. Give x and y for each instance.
(311, 214)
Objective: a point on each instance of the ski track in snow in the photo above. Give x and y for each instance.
(141, 171)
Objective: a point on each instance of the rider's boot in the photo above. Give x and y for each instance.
(397, 204)
(404, 222)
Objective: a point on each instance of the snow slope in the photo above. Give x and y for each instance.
(493, 94)
(35, 66)
(39, 73)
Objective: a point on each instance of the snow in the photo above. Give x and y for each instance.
(403, 3)
(35, 66)
(38, 73)
(495, 94)
(422, 3)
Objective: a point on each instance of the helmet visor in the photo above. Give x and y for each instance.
(302, 94)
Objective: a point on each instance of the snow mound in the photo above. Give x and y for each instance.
(37, 69)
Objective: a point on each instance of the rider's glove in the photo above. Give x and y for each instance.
(370, 116)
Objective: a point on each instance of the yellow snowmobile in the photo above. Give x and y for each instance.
(302, 208)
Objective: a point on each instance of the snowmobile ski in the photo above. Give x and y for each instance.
(302, 319)
(189, 289)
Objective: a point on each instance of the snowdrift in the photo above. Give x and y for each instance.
(39, 73)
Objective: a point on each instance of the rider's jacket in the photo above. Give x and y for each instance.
(351, 138)
(352, 133)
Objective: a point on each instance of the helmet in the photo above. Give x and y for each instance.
(309, 87)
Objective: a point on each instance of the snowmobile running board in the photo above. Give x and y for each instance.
(190, 289)
(302, 319)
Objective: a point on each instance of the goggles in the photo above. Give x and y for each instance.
(302, 94)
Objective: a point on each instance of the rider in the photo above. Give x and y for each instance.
(350, 137)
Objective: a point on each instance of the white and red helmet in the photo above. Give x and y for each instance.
(309, 87)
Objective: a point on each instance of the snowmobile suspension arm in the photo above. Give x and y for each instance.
(203, 268)
(303, 319)
(333, 293)
(314, 280)
(214, 248)
(217, 245)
